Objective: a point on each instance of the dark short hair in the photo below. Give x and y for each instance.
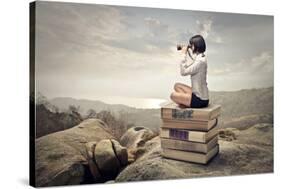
(199, 44)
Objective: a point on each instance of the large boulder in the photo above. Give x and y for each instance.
(106, 159)
(241, 152)
(136, 137)
(61, 157)
(110, 157)
(121, 152)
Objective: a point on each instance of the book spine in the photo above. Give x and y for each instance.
(212, 133)
(198, 136)
(183, 145)
(192, 136)
(189, 146)
(175, 114)
(216, 113)
(184, 156)
(190, 156)
(187, 126)
(178, 134)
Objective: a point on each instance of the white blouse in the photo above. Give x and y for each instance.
(197, 69)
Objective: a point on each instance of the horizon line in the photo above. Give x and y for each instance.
(254, 88)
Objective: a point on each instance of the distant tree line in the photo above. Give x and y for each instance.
(117, 124)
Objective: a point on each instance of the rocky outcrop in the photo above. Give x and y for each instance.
(105, 159)
(134, 139)
(110, 157)
(246, 121)
(61, 157)
(241, 152)
(89, 153)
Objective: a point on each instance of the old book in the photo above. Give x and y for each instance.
(173, 111)
(190, 125)
(188, 135)
(190, 156)
(189, 146)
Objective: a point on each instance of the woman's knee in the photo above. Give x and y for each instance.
(179, 87)
(176, 86)
(172, 95)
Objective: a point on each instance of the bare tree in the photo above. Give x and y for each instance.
(118, 126)
(74, 110)
(91, 113)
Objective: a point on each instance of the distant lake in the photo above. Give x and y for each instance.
(131, 101)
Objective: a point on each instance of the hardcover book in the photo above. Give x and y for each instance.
(188, 135)
(190, 125)
(189, 146)
(190, 156)
(172, 111)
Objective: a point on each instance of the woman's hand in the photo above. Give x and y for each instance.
(184, 50)
(190, 53)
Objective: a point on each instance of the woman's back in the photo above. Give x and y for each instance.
(199, 79)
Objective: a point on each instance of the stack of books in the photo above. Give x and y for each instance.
(189, 134)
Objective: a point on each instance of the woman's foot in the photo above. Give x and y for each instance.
(183, 106)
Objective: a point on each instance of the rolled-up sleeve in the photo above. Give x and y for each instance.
(189, 69)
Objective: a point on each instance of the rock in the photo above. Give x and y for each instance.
(251, 152)
(90, 150)
(110, 182)
(136, 137)
(228, 134)
(61, 157)
(259, 134)
(106, 159)
(121, 152)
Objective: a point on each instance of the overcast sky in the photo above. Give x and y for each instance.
(87, 50)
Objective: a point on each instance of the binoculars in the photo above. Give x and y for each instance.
(180, 47)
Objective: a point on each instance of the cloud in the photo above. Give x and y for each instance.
(96, 40)
(105, 50)
(202, 27)
(206, 28)
(155, 37)
(72, 28)
(263, 63)
(257, 65)
(155, 27)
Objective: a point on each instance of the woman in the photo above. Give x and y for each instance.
(196, 96)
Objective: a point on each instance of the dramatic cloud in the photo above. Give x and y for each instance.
(94, 50)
